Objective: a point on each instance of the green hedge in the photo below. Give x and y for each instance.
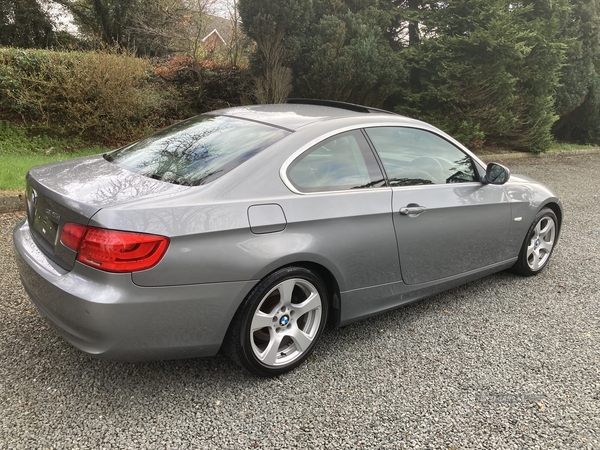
(97, 95)
(108, 97)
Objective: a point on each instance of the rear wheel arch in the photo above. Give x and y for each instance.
(324, 269)
(259, 340)
(331, 285)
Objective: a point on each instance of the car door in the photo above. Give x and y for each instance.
(447, 222)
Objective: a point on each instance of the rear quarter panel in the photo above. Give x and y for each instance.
(211, 239)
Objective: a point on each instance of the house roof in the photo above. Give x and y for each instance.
(218, 26)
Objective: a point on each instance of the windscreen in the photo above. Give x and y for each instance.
(198, 150)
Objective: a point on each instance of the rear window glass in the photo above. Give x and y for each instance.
(198, 150)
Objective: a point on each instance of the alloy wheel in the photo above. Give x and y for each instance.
(286, 322)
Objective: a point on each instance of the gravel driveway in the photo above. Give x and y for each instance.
(503, 362)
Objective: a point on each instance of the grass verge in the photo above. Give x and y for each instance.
(20, 150)
(562, 146)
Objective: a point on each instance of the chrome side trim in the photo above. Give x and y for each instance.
(301, 150)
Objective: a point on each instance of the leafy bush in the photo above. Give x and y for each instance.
(104, 96)
(110, 97)
(195, 86)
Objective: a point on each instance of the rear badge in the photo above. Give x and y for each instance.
(52, 214)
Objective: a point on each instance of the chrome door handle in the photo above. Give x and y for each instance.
(412, 210)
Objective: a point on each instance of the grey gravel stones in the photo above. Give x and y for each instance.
(503, 362)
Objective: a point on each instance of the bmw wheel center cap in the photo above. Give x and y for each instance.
(284, 321)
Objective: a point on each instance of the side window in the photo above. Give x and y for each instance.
(411, 156)
(341, 162)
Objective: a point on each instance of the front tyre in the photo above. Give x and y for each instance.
(279, 323)
(538, 245)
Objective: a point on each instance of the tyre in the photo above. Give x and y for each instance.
(538, 245)
(279, 323)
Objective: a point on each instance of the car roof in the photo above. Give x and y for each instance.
(295, 116)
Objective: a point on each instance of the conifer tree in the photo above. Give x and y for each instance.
(487, 70)
(23, 23)
(336, 49)
(578, 96)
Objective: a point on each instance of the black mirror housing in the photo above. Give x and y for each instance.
(496, 174)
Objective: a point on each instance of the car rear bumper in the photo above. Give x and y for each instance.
(108, 316)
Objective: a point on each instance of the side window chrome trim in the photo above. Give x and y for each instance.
(389, 123)
(344, 191)
(283, 171)
(476, 163)
(440, 185)
(438, 133)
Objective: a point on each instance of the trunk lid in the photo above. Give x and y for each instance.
(73, 191)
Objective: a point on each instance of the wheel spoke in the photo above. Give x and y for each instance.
(300, 338)
(546, 246)
(538, 228)
(285, 291)
(530, 250)
(310, 304)
(547, 229)
(535, 264)
(269, 356)
(261, 320)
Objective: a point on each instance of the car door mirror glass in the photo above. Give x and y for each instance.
(496, 174)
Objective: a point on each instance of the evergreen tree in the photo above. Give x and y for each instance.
(150, 28)
(106, 21)
(23, 23)
(346, 54)
(485, 70)
(578, 96)
(539, 73)
(278, 28)
(336, 49)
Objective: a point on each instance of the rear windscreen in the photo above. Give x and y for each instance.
(198, 150)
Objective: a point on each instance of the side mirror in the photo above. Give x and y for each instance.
(496, 174)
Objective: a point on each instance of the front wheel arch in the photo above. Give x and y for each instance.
(559, 215)
(538, 244)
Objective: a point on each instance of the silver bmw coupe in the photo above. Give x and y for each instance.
(248, 229)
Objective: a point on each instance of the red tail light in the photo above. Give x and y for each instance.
(72, 234)
(114, 251)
